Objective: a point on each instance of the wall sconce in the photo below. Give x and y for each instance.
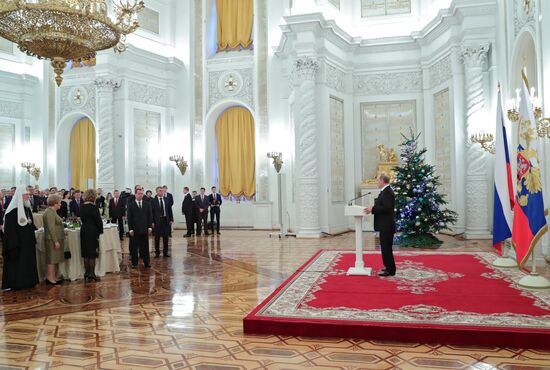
(543, 123)
(28, 166)
(180, 162)
(32, 170)
(487, 141)
(277, 160)
(35, 171)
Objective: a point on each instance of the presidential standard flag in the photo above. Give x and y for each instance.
(529, 216)
(504, 191)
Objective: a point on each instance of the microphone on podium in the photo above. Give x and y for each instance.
(359, 197)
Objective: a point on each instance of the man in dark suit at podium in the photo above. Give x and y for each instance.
(384, 223)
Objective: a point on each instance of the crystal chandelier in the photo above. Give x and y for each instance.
(64, 30)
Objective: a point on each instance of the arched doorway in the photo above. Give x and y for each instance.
(82, 160)
(235, 153)
(525, 55)
(76, 152)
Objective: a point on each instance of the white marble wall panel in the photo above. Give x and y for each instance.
(443, 143)
(383, 123)
(7, 140)
(337, 154)
(147, 148)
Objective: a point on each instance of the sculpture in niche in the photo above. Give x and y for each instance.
(387, 160)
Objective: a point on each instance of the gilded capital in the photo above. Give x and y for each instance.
(306, 68)
(474, 55)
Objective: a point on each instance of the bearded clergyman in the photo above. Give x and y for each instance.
(19, 251)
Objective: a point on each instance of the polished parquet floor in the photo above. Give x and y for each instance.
(186, 313)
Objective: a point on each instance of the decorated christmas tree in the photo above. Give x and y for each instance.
(419, 207)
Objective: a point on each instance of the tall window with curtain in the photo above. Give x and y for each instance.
(83, 159)
(236, 153)
(235, 21)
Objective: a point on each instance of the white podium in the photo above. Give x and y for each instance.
(358, 212)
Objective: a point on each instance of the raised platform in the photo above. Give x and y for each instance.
(443, 297)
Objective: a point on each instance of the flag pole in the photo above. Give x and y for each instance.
(505, 261)
(534, 280)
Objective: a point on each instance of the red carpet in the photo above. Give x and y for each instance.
(446, 298)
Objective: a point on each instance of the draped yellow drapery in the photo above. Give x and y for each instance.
(235, 20)
(236, 153)
(82, 160)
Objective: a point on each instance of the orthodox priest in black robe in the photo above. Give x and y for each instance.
(19, 249)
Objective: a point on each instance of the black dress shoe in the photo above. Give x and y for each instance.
(134, 266)
(157, 255)
(50, 283)
(385, 273)
(147, 266)
(218, 233)
(166, 255)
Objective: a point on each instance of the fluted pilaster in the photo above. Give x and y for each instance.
(106, 132)
(307, 150)
(477, 217)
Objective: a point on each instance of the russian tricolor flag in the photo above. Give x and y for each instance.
(529, 214)
(504, 190)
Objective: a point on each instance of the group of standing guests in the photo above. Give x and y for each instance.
(19, 239)
(145, 215)
(195, 208)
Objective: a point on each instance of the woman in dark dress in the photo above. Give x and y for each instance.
(63, 212)
(92, 227)
(19, 250)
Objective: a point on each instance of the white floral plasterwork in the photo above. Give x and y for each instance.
(11, 109)
(335, 78)
(292, 300)
(146, 94)
(70, 103)
(440, 72)
(387, 83)
(218, 86)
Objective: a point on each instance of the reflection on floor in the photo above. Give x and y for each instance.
(186, 312)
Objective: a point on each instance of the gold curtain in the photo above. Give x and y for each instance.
(235, 20)
(236, 153)
(83, 161)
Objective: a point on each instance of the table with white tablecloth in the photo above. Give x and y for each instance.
(73, 268)
(38, 219)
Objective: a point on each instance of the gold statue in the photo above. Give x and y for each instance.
(387, 160)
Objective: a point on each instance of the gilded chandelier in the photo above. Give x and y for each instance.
(64, 30)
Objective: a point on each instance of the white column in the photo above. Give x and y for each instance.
(307, 190)
(105, 132)
(477, 216)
